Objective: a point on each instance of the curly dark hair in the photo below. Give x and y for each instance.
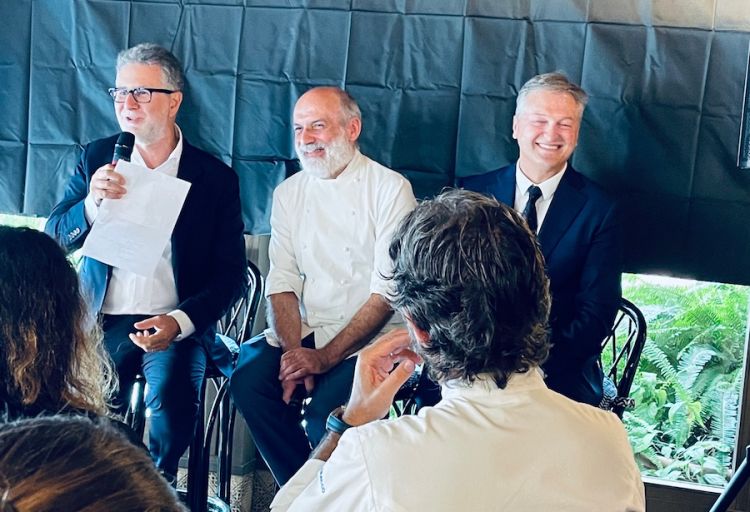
(469, 272)
(51, 355)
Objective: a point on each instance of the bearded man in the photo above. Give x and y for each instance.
(331, 226)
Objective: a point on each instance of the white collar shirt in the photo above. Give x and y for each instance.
(481, 448)
(132, 294)
(329, 242)
(548, 188)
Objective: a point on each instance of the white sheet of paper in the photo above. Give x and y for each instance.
(131, 232)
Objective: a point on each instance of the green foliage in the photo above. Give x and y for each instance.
(687, 390)
(21, 221)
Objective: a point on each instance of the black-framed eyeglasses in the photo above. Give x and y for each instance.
(140, 94)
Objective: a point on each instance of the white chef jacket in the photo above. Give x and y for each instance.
(329, 242)
(523, 448)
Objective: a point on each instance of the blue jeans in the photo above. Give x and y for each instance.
(275, 426)
(174, 378)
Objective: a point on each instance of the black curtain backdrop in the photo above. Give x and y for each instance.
(436, 81)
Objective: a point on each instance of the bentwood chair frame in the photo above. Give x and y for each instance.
(622, 349)
(235, 327)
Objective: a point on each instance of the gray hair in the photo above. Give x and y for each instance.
(468, 271)
(155, 55)
(554, 82)
(349, 108)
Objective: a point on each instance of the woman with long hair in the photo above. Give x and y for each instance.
(51, 356)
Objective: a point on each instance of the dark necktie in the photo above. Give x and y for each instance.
(529, 211)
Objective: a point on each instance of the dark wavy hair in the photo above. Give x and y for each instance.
(469, 272)
(76, 463)
(51, 355)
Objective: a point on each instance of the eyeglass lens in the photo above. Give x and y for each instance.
(140, 95)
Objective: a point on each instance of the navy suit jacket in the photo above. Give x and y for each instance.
(580, 240)
(208, 248)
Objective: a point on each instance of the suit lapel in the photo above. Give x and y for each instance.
(190, 172)
(187, 170)
(566, 204)
(506, 185)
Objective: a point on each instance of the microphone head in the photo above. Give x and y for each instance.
(123, 147)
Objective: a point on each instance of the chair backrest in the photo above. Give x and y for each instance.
(238, 322)
(405, 400)
(621, 351)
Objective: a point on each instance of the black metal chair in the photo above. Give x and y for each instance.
(234, 328)
(417, 392)
(621, 352)
(405, 401)
(735, 485)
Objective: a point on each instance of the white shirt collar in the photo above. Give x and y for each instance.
(171, 164)
(548, 186)
(485, 383)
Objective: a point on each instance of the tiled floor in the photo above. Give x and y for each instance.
(252, 492)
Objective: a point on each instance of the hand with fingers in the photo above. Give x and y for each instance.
(107, 183)
(298, 366)
(382, 368)
(295, 390)
(156, 333)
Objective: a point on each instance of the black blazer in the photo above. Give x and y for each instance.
(208, 248)
(580, 240)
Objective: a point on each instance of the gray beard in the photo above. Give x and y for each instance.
(338, 154)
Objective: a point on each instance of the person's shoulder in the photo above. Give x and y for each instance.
(295, 182)
(204, 158)
(479, 181)
(407, 429)
(381, 173)
(589, 187)
(583, 417)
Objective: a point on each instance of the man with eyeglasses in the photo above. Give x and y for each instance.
(160, 325)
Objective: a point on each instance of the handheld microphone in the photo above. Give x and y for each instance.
(123, 147)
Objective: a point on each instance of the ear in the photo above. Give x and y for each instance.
(175, 100)
(422, 336)
(515, 125)
(353, 129)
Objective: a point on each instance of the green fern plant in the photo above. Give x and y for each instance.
(687, 390)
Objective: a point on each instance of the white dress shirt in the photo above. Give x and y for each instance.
(548, 188)
(131, 294)
(523, 448)
(329, 242)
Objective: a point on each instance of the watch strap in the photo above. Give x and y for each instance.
(335, 424)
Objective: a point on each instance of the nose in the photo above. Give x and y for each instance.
(552, 132)
(130, 102)
(305, 136)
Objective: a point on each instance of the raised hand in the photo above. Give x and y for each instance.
(376, 381)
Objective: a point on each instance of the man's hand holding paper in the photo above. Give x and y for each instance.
(132, 231)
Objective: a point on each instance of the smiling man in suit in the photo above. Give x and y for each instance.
(577, 227)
